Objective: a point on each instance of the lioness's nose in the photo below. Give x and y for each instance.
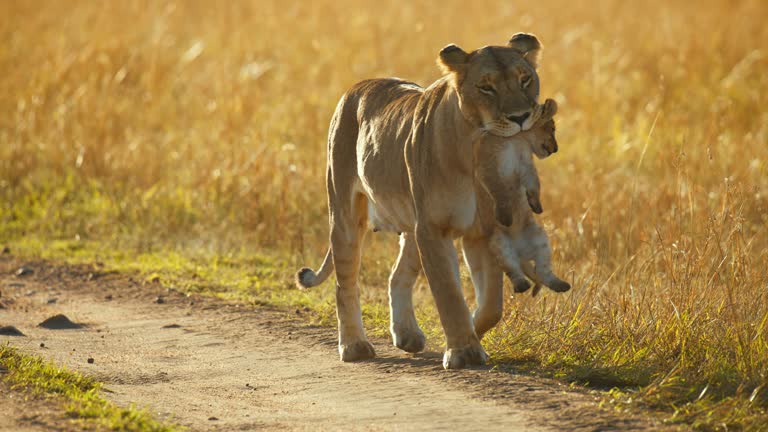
(519, 119)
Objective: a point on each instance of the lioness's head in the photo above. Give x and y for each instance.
(498, 86)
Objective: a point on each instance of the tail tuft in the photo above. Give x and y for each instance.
(306, 278)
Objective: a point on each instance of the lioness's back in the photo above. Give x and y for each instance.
(383, 101)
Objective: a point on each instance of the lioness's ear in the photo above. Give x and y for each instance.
(550, 109)
(528, 45)
(452, 59)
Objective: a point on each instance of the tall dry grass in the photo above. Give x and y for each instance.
(149, 124)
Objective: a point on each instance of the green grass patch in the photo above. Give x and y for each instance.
(535, 344)
(81, 395)
(553, 336)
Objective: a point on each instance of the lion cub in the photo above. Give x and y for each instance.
(507, 172)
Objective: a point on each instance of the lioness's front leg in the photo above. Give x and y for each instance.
(488, 280)
(441, 266)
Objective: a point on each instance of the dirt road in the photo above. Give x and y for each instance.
(210, 365)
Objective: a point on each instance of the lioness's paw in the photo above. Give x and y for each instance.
(471, 355)
(559, 286)
(410, 340)
(361, 350)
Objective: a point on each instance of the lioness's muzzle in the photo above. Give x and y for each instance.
(519, 119)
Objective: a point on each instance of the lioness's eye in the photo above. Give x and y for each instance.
(484, 88)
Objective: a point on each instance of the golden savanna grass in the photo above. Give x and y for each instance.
(199, 127)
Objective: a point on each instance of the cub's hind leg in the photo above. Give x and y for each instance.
(405, 330)
(537, 244)
(504, 249)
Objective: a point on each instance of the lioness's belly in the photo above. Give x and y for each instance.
(394, 215)
(383, 178)
(394, 212)
(389, 209)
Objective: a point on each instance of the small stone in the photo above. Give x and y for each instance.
(108, 297)
(59, 322)
(90, 360)
(42, 344)
(24, 271)
(159, 300)
(10, 331)
(6, 250)
(213, 418)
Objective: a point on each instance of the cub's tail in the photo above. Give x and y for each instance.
(307, 278)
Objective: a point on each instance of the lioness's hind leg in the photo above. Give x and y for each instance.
(405, 330)
(346, 243)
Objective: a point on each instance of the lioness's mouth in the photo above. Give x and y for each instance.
(519, 119)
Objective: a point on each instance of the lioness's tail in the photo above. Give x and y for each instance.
(307, 278)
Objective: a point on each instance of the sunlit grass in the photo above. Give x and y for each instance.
(171, 135)
(81, 395)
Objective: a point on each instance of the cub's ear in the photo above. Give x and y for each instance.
(550, 109)
(528, 45)
(452, 59)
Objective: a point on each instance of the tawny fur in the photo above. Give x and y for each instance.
(400, 156)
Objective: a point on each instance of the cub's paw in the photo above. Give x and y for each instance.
(559, 286)
(410, 340)
(520, 285)
(534, 203)
(361, 350)
(470, 355)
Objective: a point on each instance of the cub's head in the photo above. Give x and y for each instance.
(498, 86)
(541, 136)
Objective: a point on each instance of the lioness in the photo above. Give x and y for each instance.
(506, 169)
(401, 157)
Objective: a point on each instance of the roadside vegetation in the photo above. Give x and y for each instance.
(187, 142)
(81, 396)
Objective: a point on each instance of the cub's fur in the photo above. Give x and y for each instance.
(400, 157)
(507, 172)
